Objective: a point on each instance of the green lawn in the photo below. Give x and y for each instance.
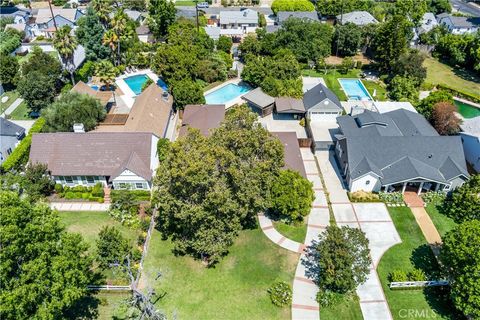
(294, 231)
(102, 305)
(331, 80)
(236, 288)
(348, 310)
(185, 3)
(12, 96)
(412, 252)
(440, 220)
(21, 112)
(461, 80)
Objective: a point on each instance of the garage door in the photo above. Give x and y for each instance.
(323, 116)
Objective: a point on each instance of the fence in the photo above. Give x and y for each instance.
(145, 246)
(110, 288)
(417, 284)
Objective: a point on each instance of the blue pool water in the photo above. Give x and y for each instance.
(226, 93)
(136, 82)
(355, 90)
(94, 87)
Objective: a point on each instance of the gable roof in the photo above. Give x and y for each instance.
(203, 117)
(12, 11)
(244, 16)
(259, 98)
(8, 128)
(293, 157)
(319, 94)
(83, 88)
(282, 16)
(289, 105)
(462, 22)
(360, 18)
(93, 153)
(44, 15)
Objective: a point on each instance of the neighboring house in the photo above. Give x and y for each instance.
(21, 27)
(360, 18)
(19, 15)
(282, 16)
(471, 141)
(272, 29)
(213, 31)
(427, 23)
(44, 23)
(202, 117)
(135, 15)
(122, 160)
(292, 155)
(144, 34)
(397, 150)
(321, 104)
(459, 25)
(104, 96)
(10, 136)
(292, 106)
(259, 101)
(151, 113)
(238, 23)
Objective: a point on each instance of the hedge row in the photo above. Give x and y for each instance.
(460, 94)
(139, 195)
(20, 154)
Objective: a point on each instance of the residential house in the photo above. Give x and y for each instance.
(292, 155)
(282, 16)
(471, 141)
(151, 113)
(238, 23)
(321, 104)
(21, 27)
(360, 18)
(10, 136)
(45, 24)
(19, 15)
(427, 23)
(213, 31)
(291, 106)
(397, 150)
(259, 101)
(202, 117)
(459, 25)
(122, 160)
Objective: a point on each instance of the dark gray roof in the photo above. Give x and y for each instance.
(399, 146)
(272, 29)
(259, 98)
(360, 18)
(8, 128)
(463, 22)
(282, 16)
(319, 93)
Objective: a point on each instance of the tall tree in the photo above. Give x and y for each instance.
(111, 39)
(336, 7)
(426, 105)
(42, 62)
(403, 89)
(8, 70)
(106, 73)
(347, 39)
(66, 43)
(103, 9)
(161, 16)
(90, 34)
(37, 89)
(44, 270)
(112, 247)
(411, 65)
(412, 9)
(186, 92)
(465, 202)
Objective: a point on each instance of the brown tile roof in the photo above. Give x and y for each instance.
(203, 117)
(293, 156)
(103, 96)
(289, 105)
(93, 153)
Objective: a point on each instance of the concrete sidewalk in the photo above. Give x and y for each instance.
(12, 107)
(269, 230)
(79, 206)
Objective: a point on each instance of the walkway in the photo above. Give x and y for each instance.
(375, 221)
(79, 206)
(12, 107)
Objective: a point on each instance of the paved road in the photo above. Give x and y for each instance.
(467, 8)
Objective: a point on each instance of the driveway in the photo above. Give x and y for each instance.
(371, 218)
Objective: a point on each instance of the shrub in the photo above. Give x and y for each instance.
(139, 195)
(58, 188)
(85, 195)
(460, 94)
(280, 294)
(416, 275)
(292, 5)
(434, 197)
(391, 197)
(69, 195)
(329, 298)
(363, 196)
(398, 276)
(97, 190)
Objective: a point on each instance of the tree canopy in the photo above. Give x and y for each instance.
(37, 89)
(112, 247)
(292, 5)
(336, 7)
(8, 70)
(465, 201)
(161, 14)
(426, 105)
(347, 39)
(44, 270)
(90, 34)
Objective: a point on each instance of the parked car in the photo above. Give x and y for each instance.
(202, 5)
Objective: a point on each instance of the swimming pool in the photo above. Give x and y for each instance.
(226, 93)
(136, 83)
(355, 90)
(466, 110)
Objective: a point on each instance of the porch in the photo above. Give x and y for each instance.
(416, 186)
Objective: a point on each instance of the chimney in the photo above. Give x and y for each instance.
(78, 128)
(165, 95)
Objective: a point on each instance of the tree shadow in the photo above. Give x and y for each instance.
(85, 308)
(310, 262)
(422, 258)
(461, 72)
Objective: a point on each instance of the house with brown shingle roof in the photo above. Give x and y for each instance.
(118, 159)
(83, 88)
(202, 117)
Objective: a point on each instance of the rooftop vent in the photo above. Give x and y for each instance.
(165, 95)
(78, 128)
(430, 156)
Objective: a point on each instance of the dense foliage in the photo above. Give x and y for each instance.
(186, 92)
(161, 14)
(90, 34)
(45, 270)
(426, 105)
(460, 50)
(292, 5)
(8, 70)
(444, 119)
(464, 204)
(112, 247)
(347, 39)
(71, 108)
(224, 44)
(461, 258)
(10, 40)
(403, 89)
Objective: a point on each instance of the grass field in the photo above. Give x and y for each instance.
(461, 80)
(21, 112)
(12, 96)
(440, 220)
(413, 252)
(295, 231)
(349, 310)
(236, 288)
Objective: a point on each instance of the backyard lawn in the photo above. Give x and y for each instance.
(294, 231)
(413, 252)
(12, 96)
(236, 288)
(102, 306)
(440, 220)
(440, 73)
(21, 112)
(349, 310)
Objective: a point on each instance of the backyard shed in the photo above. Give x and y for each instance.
(289, 105)
(260, 101)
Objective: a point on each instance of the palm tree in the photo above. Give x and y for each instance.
(119, 25)
(66, 43)
(106, 72)
(111, 40)
(102, 9)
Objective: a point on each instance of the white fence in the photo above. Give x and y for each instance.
(417, 284)
(110, 288)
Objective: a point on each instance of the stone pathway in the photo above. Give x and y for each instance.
(429, 230)
(12, 107)
(79, 206)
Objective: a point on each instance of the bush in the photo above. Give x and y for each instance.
(416, 275)
(363, 196)
(434, 197)
(85, 195)
(329, 298)
(69, 195)
(58, 188)
(391, 197)
(460, 94)
(398, 276)
(97, 190)
(280, 294)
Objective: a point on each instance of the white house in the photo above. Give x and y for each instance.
(19, 15)
(321, 104)
(427, 23)
(122, 160)
(10, 136)
(45, 24)
(459, 25)
(471, 141)
(359, 18)
(238, 23)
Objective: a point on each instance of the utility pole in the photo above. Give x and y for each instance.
(196, 13)
(53, 17)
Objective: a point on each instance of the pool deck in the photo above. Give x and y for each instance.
(473, 104)
(129, 96)
(237, 100)
(363, 86)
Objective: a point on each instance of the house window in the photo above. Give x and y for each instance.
(139, 185)
(68, 179)
(447, 187)
(367, 182)
(84, 180)
(9, 150)
(90, 179)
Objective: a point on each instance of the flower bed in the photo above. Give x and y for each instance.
(94, 194)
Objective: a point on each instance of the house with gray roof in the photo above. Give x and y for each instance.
(282, 16)
(238, 23)
(360, 18)
(321, 104)
(459, 25)
(471, 141)
(19, 15)
(10, 136)
(397, 150)
(259, 101)
(45, 23)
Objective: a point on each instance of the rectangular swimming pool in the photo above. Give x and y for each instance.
(226, 93)
(355, 90)
(466, 110)
(136, 83)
